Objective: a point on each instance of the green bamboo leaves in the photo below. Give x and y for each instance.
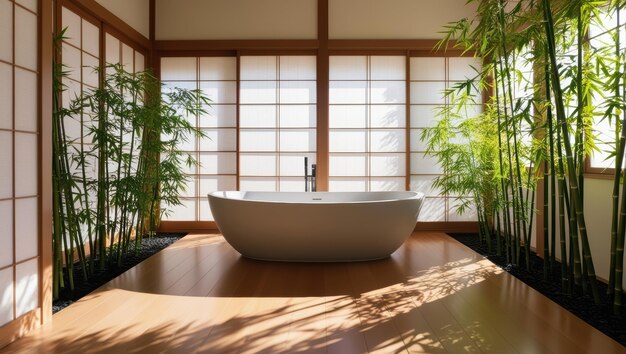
(111, 187)
(575, 83)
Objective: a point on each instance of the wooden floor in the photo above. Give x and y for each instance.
(433, 295)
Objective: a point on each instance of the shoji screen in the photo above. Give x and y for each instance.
(19, 159)
(367, 122)
(603, 33)
(118, 52)
(430, 76)
(80, 55)
(277, 121)
(217, 152)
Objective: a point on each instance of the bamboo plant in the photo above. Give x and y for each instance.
(464, 144)
(551, 128)
(112, 184)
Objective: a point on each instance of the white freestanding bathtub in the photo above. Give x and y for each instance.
(316, 226)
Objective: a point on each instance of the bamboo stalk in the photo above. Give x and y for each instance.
(511, 180)
(498, 230)
(505, 195)
(560, 173)
(57, 274)
(618, 258)
(575, 196)
(546, 189)
(619, 160)
(552, 176)
(520, 199)
(86, 205)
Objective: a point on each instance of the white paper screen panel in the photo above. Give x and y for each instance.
(184, 212)
(261, 184)
(81, 59)
(216, 151)
(291, 165)
(219, 116)
(278, 96)
(178, 69)
(605, 141)
(356, 184)
(140, 62)
(6, 30)
(116, 51)
(25, 180)
(19, 156)
(6, 295)
(258, 116)
(367, 120)
(111, 49)
(25, 30)
(26, 287)
(90, 38)
(385, 184)
(430, 76)
(298, 116)
(6, 159)
(6, 233)
(6, 95)
(388, 116)
(602, 35)
(25, 93)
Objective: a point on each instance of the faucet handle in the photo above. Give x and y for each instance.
(313, 178)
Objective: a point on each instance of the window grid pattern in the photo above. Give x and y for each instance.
(216, 152)
(429, 77)
(277, 121)
(602, 34)
(19, 156)
(274, 96)
(80, 54)
(367, 121)
(118, 52)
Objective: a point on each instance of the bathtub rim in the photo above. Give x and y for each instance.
(411, 195)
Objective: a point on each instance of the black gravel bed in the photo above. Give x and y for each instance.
(148, 247)
(599, 316)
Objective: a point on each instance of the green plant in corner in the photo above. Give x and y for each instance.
(466, 145)
(114, 181)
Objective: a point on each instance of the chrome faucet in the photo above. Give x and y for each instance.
(311, 176)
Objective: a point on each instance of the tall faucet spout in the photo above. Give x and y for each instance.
(306, 174)
(314, 178)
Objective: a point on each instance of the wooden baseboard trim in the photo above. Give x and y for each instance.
(448, 226)
(187, 226)
(19, 327)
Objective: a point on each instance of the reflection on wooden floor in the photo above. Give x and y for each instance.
(433, 295)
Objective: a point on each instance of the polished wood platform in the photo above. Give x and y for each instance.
(433, 295)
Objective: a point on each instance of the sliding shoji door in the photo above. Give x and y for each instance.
(367, 120)
(20, 191)
(603, 33)
(217, 151)
(277, 121)
(118, 52)
(80, 55)
(430, 77)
